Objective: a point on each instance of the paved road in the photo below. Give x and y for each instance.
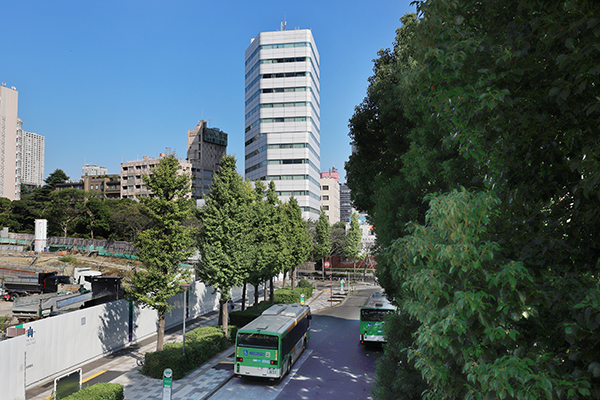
(122, 367)
(334, 366)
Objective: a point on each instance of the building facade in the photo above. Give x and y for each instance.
(132, 185)
(205, 149)
(32, 157)
(10, 144)
(345, 203)
(93, 170)
(104, 187)
(330, 196)
(282, 115)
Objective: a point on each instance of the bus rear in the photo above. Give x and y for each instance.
(372, 318)
(371, 324)
(256, 354)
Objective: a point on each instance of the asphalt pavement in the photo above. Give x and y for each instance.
(123, 366)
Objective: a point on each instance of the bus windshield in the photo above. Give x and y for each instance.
(374, 315)
(257, 340)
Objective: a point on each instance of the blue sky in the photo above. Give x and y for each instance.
(112, 81)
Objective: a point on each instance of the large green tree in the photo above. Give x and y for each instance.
(353, 238)
(64, 209)
(268, 250)
(322, 240)
(226, 238)
(297, 238)
(504, 96)
(166, 244)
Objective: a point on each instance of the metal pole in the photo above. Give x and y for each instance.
(331, 284)
(185, 286)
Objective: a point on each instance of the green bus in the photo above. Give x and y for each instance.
(372, 318)
(269, 345)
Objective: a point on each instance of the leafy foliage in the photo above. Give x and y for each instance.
(225, 238)
(165, 245)
(296, 236)
(396, 376)
(502, 98)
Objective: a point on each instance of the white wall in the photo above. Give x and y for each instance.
(59, 344)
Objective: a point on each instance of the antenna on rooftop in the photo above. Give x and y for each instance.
(284, 23)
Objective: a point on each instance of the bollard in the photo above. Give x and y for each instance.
(167, 384)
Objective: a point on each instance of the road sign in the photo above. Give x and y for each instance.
(327, 264)
(302, 298)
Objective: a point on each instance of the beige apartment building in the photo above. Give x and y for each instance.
(330, 196)
(10, 144)
(205, 149)
(132, 185)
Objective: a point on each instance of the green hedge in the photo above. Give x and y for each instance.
(242, 318)
(99, 391)
(288, 296)
(201, 345)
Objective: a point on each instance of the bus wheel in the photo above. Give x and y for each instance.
(288, 367)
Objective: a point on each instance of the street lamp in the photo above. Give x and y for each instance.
(185, 287)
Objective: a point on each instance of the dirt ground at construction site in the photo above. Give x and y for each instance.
(63, 264)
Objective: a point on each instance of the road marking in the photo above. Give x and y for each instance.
(92, 377)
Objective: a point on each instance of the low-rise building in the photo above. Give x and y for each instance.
(132, 185)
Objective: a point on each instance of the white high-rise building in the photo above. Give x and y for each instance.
(32, 158)
(10, 144)
(282, 123)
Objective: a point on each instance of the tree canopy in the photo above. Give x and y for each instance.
(167, 244)
(225, 238)
(502, 99)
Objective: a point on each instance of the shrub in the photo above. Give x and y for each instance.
(99, 391)
(68, 259)
(304, 284)
(201, 345)
(241, 318)
(288, 296)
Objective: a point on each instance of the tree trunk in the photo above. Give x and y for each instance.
(292, 277)
(272, 293)
(323, 267)
(256, 299)
(244, 296)
(265, 290)
(284, 274)
(160, 334)
(225, 318)
(220, 320)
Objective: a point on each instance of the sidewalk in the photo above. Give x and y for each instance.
(122, 366)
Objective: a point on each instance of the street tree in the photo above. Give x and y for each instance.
(167, 244)
(322, 241)
(267, 235)
(297, 239)
(501, 98)
(352, 244)
(226, 236)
